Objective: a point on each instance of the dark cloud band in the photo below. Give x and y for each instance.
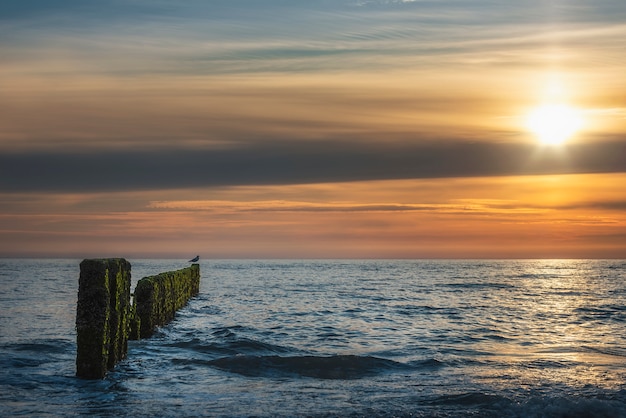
(296, 163)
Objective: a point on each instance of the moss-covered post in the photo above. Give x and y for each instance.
(157, 298)
(102, 316)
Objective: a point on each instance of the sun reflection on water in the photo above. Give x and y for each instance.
(555, 337)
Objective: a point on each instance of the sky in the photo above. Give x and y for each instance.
(310, 129)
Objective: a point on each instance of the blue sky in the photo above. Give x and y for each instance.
(208, 37)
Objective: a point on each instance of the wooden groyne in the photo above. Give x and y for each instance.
(106, 319)
(157, 298)
(102, 316)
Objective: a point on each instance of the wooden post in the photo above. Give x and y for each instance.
(105, 318)
(157, 298)
(102, 316)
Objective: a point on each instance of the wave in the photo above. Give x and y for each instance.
(238, 346)
(35, 353)
(479, 286)
(428, 364)
(11, 362)
(467, 399)
(610, 351)
(543, 364)
(412, 310)
(55, 346)
(558, 407)
(333, 367)
(495, 405)
(616, 313)
(223, 341)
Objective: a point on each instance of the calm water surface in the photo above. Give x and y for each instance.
(334, 338)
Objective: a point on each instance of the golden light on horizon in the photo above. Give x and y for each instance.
(554, 124)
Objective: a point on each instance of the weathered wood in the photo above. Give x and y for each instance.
(102, 316)
(106, 319)
(157, 298)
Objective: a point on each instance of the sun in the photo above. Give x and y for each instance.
(553, 124)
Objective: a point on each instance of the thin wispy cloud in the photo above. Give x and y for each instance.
(183, 38)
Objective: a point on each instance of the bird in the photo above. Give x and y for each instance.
(193, 260)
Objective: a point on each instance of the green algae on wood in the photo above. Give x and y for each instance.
(157, 298)
(135, 324)
(106, 319)
(102, 316)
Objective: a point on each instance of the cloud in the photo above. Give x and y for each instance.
(610, 205)
(300, 206)
(509, 210)
(297, 162)
(227, 37)
(529, 216)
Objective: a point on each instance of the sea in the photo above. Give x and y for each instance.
(333, 338)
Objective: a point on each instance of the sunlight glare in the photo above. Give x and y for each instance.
(553, 124)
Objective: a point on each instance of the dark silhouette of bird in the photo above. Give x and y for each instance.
(196, 258)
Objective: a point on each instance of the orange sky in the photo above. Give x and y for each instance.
(553, 216)
(376, 129)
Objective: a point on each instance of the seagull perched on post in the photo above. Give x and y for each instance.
(196, 258)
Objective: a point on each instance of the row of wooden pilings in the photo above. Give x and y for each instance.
(106, 318)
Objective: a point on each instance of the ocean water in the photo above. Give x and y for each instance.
(527, 338)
